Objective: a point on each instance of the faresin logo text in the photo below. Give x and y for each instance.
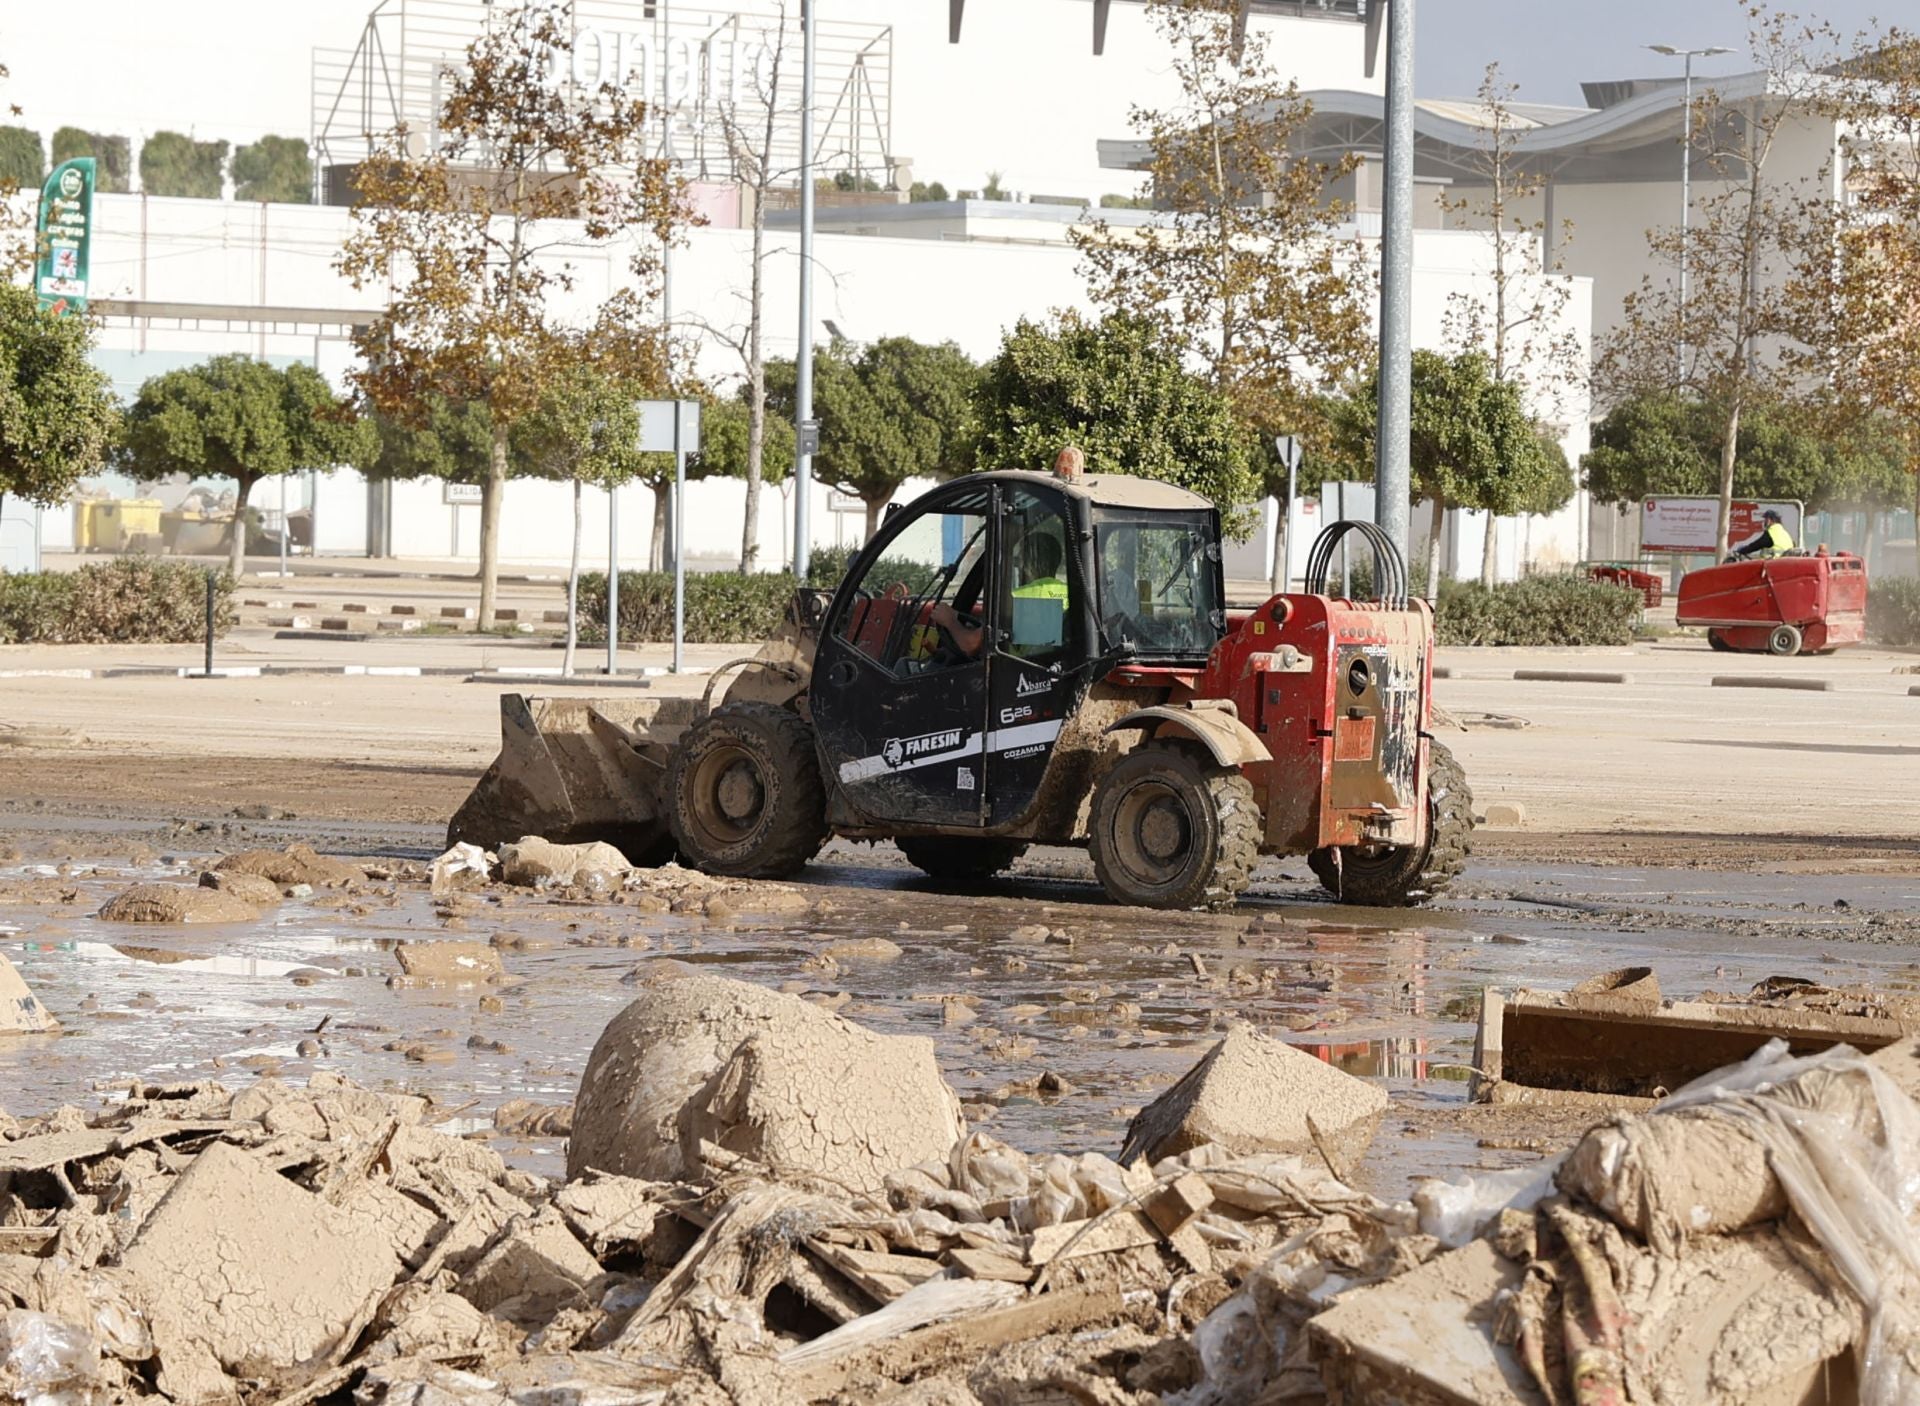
(899, 751)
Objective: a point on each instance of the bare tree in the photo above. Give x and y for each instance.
(1519, 323)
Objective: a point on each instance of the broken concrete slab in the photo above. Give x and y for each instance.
(663, 1052)
(533, 861)
(20, 1010)
(244, 1269)
(449, 963)
(1252, 1093)
(176, 903)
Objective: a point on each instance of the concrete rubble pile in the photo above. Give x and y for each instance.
(766, 1203)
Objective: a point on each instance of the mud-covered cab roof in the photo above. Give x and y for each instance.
(1111, 490)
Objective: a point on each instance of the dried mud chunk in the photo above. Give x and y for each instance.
(174, 903)
(1251, 1093)
(451, 963)
(243, 1269)
(760, 1073)
(248, 888)
(297, 864)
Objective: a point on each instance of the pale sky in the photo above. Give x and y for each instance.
(238, 68)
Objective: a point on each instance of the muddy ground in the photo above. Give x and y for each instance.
(1036, 974)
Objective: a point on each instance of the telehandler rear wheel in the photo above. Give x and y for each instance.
(957, 858)
(1396, 876)
(744, 794)
(1173, 829)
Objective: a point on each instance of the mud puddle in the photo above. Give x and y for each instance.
(1038, 977)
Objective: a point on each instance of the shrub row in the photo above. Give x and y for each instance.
(1893, 610)
(1538, 610)
(722, 607)
(131, 600)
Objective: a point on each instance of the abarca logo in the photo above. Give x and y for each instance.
(899, 751)
(1028, 686)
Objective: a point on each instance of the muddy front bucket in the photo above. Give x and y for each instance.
(577, 769)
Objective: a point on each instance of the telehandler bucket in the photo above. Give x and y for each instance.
(573, 770)
(577, 769)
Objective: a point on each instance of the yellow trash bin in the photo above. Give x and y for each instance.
(84, 524)
(121, 524)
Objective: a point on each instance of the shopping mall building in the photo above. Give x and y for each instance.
(909, 91)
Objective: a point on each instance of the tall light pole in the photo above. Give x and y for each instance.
(1392, 470)
(1686, 175)
(803, 355)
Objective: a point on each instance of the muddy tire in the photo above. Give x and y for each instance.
(744, 795)
(1398, 876)
(1173, 829)
(959, 858)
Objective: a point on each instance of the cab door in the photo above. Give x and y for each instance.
(1040, 666)
(899, 705)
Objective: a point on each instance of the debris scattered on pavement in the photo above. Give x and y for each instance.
(20, 1010)
(1615, 1042)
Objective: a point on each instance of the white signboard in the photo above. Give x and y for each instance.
(1672, 524)
(657, 426)
(460, 494)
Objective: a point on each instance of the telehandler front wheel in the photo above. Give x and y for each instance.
(1172, 829)
(744, 795)
(1395, 876)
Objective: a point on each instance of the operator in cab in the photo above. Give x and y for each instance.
(1772, 541)
(1042, 558)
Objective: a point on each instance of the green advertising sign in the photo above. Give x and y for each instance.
(65, 237)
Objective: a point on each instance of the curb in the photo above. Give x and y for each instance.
(244, 671)
(1754, 681)
(338, 636)
(554, 681)
(1568, 676)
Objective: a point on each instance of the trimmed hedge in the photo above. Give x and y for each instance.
(131, 600)
(723, 607)
(1893, 610)
(1539, 610)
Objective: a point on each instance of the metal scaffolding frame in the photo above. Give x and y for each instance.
(696, 63)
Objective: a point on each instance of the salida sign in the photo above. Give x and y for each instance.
(1674, 524)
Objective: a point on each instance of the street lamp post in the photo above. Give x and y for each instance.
(803, 354)
(1686, 174)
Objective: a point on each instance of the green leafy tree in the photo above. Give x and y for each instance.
(1667, 443)
(239, 418)
(1120, 392)
(471, 244)
(58, 420)
(889, 411)
(444, 439)
(112, 156)
(23, 160)
(274, 168)
(1473, 445)
(922, 192)
(174, 164)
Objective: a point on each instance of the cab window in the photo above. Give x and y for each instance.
(1038, 580)
(1158, 584)
(932, 557)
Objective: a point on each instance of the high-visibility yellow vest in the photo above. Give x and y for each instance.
(1778, 538)
(1046, 588)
